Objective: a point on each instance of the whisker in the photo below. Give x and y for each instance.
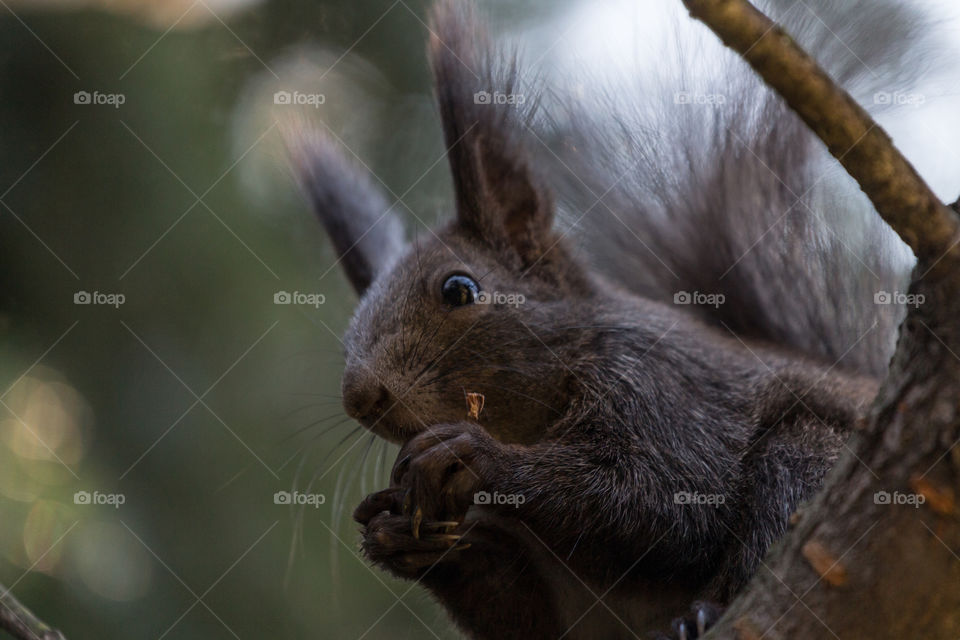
(337, 508)
(313, 394)
(312, 405)
(417, 354)
(314, 424)
(430, 364)
(380, 460)
(301, 513)
(296, 541)
(364, 472)
(231, 480)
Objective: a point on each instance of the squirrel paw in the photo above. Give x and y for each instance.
(397, 543)
(695, 624)
(441, 470)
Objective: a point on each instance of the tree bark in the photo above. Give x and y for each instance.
(876, 554)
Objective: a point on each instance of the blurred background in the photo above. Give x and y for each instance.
(155, 393)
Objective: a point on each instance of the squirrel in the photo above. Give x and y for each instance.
(637, 449)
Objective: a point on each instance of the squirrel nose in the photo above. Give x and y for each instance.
(363, 396)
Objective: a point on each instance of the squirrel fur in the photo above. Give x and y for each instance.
(642, 455)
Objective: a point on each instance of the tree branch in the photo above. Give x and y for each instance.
(20, 622)
(856, 563)
(899, 194)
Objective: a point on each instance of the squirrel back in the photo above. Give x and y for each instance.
(696, 180)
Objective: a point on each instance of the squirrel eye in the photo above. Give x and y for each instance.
(460, 290)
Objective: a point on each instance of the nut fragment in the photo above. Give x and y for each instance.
(474, 405)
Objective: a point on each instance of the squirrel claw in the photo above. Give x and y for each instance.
(442, 537)
(441, 526)
(701, 622)
(415, 522)
(697, 622)
(388, 540)
(681, 630)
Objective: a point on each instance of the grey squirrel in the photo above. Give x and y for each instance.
(634, 453)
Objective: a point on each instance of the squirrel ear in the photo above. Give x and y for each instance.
(367, 236)
(485, 116)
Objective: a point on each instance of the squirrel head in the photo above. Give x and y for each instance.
(477, 305)
(457, 313)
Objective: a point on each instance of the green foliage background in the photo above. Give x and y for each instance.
(105, 399)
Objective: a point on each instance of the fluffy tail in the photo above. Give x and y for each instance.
(700, 180)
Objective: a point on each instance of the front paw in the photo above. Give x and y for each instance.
(389, 542)
(440, 470)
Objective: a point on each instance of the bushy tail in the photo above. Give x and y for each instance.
(700, 180)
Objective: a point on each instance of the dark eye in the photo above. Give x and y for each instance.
(460, 290)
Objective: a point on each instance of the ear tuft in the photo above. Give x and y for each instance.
(366, 235)
(486, 116)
